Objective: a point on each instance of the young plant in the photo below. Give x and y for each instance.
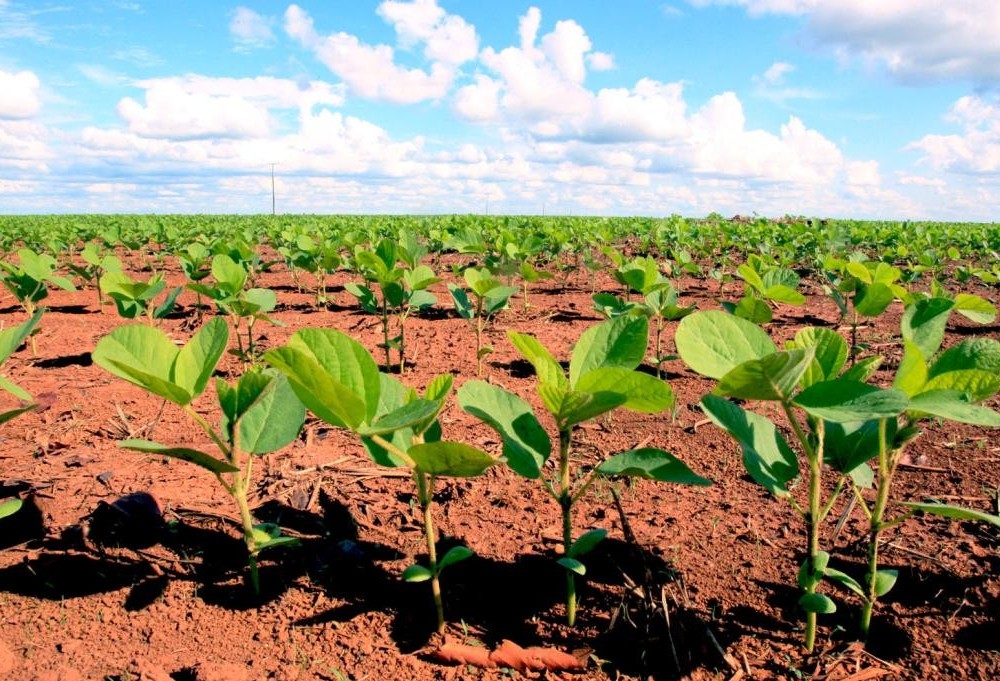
(764, 284)
(30, 278)
(490, 296)
(244, 306)
(318, 258)
(259, 414)
(863, 289)
(821, 403)
(401, 291)
(10, 340)
(196, 263)
(337, 379)
(134, 298)
(602, 377)
(95, 264)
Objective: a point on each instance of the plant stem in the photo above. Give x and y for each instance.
(566, 505)
(425, 491)
(885, 470)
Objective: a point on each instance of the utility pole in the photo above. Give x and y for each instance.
(272, 189)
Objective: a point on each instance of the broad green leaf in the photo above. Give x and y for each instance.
(954, 512)
(325, 397)
(975, 308)
(262, 300)
(546, 366)
(849, 446)
(645, 393)
(272, 418)
(830, 354)
(952, 405)
(394, 395)
(586, 542)
(846, 401)
(10, 507)
(416, 573)
(12, 338)
(975, 383)
(784, 294)
(750, 276)
(911, 375)
(713, 343)
(11, 414)
(194, 456)
(863, 371)
(576, 406)
(924, 323)
(439, 387)
(752, 309)
(229, 275)
(772, 377)
(884, 581)
(407, 416)
(136, 352)
(454, 459)
(619, 342)
(974, 353)
(196, 361)
(526, 445)
(573, 565)
(651, 464)
(806, 577)
(463, 306)
(767, 457)
(454, 555)
(345, 360)
(497, 299)
(818, 603)
(871, 300)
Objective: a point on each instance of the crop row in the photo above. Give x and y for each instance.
(838, 426)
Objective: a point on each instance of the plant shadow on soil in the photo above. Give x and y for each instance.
(113, 549)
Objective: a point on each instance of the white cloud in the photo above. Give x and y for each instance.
(370, 71)
(601, 61)
(20, 95)
(479, 101)
(976, 150)
(772, 85)
(193, 106)
(24, 145)
(250, 29)
(915, 41)
(447, 38)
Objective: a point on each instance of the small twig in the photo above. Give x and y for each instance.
(670, 632)
(926, 469)
(918, 554)
(843, 518)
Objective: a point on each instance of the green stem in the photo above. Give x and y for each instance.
(566, 506)
(886, 468)
(425, 491)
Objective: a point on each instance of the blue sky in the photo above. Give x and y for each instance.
(846, 108)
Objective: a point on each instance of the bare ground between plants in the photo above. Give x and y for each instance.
(126, 566)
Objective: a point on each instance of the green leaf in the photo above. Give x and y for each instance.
(345, 360)
(194, 456)
(586, 542)
(651, 464)
(144, 356)
(973, 353)
(619, 342)
(911, 375)
(845, 580)
(270, 416)
(767, 457)
(12, 338)
(830, 353)
(454, 459)
(14, 413)
(645, 394)
(455, 554)
(416, 573)
(751, 309)
(325, 397)
(196, 361)
(845, 401)
(229, 276)
(781, 293)
(576, 406)
(924, 323)
(975, 308)
(952, 405)
(573, 565)
(807, 577)
(773, 377)
(10, 507)
(526, 445)
(463, 306)
(546, 367)
(820, 604)
(871, 300)
(975, 383)
(407, 416)
(862, 371)
(884, 581)
(848, 446)
(713, 343)
(954, 512)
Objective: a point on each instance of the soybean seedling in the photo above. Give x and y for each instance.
(339, 381)
(489, 297)
(10, 340)
(602, 377)
(259, 414)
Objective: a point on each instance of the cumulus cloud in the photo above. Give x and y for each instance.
(915, 41)
(250, 29)
(193, 106)
(20, 95)
(371, 72)
(976, 149)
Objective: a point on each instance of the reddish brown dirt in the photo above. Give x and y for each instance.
(89, 592)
